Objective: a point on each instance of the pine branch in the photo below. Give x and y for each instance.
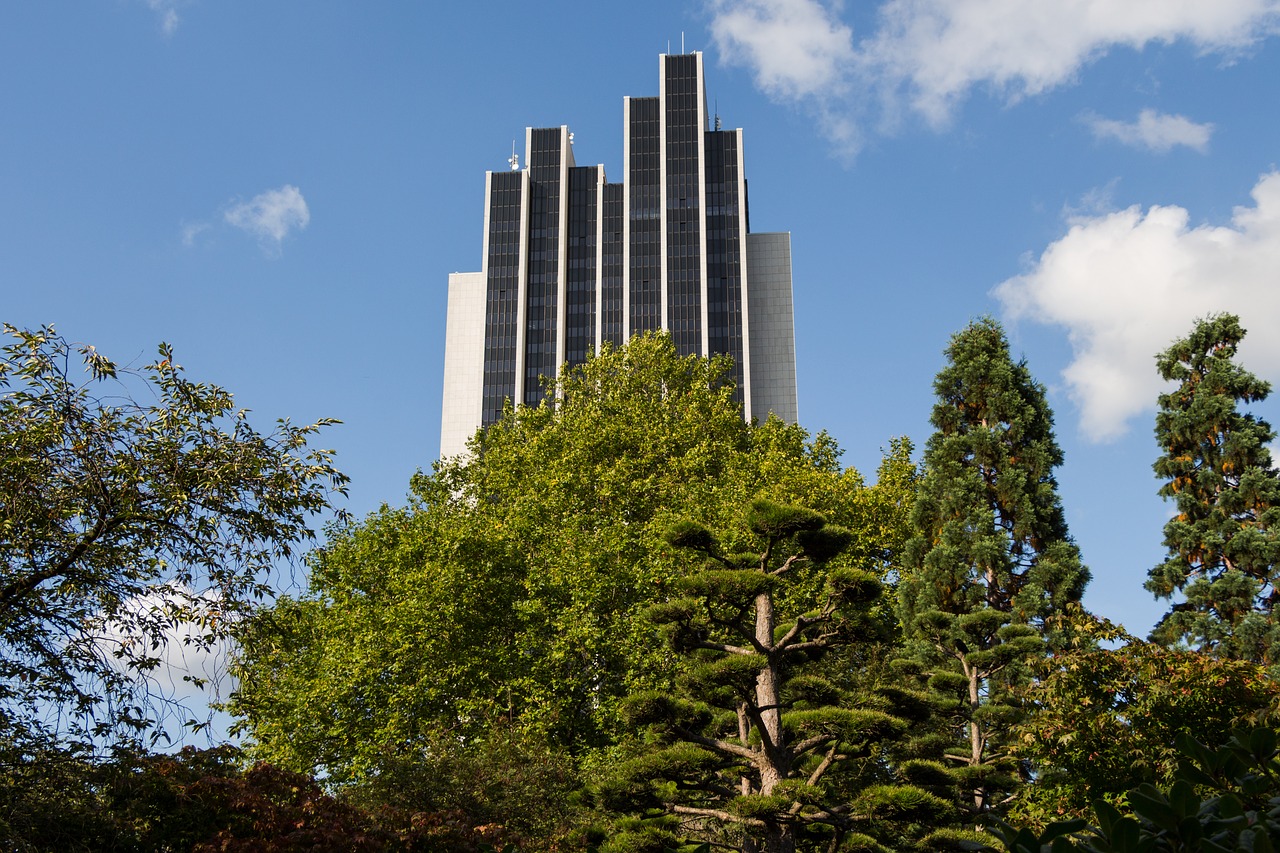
(717, 744)
(719, 814)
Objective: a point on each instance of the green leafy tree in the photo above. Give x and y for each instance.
(992, 558)
(758, 750)
(507, 594)
(131, 504)
(1102, 721)
(1224, 543)
(1221, 800)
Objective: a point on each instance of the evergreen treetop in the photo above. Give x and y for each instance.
(991, 559)
(1224, 543)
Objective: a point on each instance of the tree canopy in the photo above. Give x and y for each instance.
(757, 748)
(510, 588)
(131, 504)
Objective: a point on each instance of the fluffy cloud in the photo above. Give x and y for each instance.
(795, 48)
(940, 49)
(929, 54)
(271, 215)
(1154, 131)
(1126, 283)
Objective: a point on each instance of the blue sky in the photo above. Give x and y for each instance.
(280, 190)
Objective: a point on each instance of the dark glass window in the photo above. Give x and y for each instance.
(645, 215)
(580, 286)
(684, 124)
(502, 294)
(543, 282)
(726, 219)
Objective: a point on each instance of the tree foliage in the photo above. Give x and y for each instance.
(992, 558)
(204, 801)
(1221, 800)
(1224, 543)
(507, 594)
(131, 504)
(758, 749)
(1102, 721)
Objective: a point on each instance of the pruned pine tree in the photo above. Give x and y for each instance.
(1224, 543)
(992, 558)
(759, 752)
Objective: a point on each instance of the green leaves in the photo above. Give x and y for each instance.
(734, 587)
(688, 534)
(132, 505)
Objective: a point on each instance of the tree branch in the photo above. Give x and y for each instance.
(718, 814)
(802, 746)
(26, 585)
(717, 744)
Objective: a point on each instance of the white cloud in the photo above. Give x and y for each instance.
(192, 668)
(795, 48)
(167, 12)
(1125, 284)
(940, 49)
(928, 55)
(271, 215)
(1153, 130)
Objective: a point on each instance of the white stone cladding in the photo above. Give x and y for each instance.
(463, 362)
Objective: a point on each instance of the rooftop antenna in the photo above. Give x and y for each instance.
(570, 138)
(717, 125)
(514, 159)
(682, 41)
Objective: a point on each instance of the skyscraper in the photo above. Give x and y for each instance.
(571, 261)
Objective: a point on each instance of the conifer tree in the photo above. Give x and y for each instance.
(760, 752)
(1224, 543)
(992, 559)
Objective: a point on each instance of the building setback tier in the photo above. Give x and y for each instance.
(571, 261)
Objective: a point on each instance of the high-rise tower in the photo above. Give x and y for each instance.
(571, 261)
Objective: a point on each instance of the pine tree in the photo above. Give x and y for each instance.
(1224, 543)
(992, 559)
(759, 751)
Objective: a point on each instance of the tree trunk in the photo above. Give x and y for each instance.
(975, 734)
(774, 769)
(780, 839)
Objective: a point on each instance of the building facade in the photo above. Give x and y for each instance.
(572, 261)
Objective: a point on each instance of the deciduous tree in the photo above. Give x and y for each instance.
(131, 504)
(508, 593)
(1104, 720)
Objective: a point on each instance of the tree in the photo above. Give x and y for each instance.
(131, 504)
(1224, 543)
(1221, 800)
(759, 745)
(205, 800)
(992, 558)
(507, 594)
(1102, 721)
